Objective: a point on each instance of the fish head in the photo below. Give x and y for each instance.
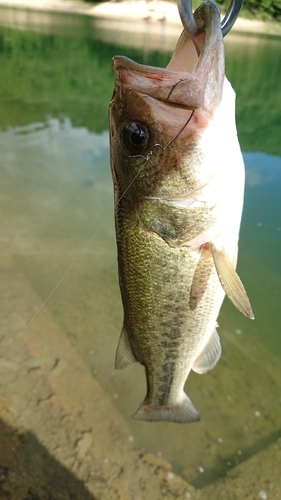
(159, 115)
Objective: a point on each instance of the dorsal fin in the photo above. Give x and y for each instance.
(231, 282)
(124, 354)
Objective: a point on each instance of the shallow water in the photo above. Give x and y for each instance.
(57, 225)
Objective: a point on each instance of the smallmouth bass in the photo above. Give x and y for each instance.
(178, 179)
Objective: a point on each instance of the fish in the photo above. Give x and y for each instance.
(178, 176)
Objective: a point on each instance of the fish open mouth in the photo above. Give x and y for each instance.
(194, 76)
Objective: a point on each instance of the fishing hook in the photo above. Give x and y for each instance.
(187, 17)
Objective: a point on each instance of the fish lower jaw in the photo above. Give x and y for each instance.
(183, 412)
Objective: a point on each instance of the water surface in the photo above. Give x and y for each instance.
(56, 199)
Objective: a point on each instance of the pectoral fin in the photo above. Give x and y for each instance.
(209, 356)
(124, 353)
(231, 282)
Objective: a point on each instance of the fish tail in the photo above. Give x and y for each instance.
(183, 412)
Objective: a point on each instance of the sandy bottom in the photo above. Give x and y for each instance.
(61, 436)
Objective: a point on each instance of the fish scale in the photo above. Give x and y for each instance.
(178, 206)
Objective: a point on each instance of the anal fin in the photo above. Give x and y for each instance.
(231, 282)
(124, 354)
(210, 355)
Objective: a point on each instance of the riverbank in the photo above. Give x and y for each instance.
(154, 11)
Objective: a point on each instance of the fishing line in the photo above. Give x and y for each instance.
(149, 154)
(69, 269)
(176, 136)
(147, 158)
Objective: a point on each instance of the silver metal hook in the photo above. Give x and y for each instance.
(187, 17)
(231, 16)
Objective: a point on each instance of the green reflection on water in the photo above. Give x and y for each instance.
(56, 195)
(57, 75)
(62, 74)
(253, 65)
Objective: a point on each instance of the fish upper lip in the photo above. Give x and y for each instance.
(164, 84)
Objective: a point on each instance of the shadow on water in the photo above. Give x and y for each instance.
(29, 472)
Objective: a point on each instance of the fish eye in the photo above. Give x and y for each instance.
(135, 137)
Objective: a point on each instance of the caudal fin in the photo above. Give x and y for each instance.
(183, 412)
